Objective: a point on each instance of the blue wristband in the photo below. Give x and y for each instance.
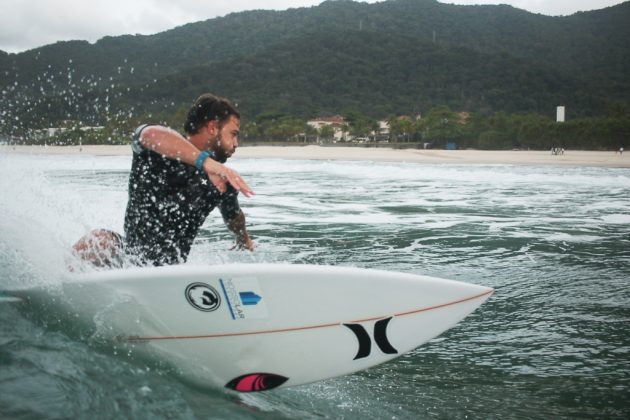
(201, 159)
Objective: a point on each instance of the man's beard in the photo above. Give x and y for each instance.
(219, 152)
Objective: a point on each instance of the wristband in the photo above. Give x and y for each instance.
(201, 159)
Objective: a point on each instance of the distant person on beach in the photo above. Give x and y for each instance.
(175, 182)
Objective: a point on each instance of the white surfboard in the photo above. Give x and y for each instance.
(254, 327)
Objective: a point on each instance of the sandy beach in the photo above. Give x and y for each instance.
(464, 157)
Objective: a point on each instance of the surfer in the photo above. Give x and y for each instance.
(175, 182)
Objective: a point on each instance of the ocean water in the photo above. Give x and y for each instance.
(553, 341)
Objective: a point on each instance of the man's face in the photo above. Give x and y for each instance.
(226, 142)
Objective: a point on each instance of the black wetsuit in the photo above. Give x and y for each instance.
(168, 202)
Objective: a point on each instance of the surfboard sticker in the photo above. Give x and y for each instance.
(255, 382)
(365, 341)
(244, 298)
(203, 297)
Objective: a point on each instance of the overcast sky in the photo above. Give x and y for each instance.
(33, 23)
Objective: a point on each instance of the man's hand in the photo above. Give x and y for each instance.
(219, 174)
(248, 244)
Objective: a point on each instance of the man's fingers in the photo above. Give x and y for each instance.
(239, 246)
(239, 183)
(245, 189)
(218, 182)
(220, 174)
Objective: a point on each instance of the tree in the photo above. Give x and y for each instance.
(359, 125)
(441, 126)
(327, 132)
(401, 128)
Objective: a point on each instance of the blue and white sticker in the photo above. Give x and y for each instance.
(244, 298)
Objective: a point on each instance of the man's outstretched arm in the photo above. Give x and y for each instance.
(173, 145)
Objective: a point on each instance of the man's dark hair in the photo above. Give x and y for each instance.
(208, 107)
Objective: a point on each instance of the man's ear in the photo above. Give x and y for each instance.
(213, 127)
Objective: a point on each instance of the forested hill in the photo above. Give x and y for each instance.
(387, 58)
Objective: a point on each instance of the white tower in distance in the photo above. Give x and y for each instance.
(560, 114)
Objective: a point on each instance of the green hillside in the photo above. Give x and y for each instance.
(389, 58)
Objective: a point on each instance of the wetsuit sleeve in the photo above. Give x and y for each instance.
(229, 204)
(136, 146)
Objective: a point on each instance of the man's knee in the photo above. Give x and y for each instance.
(100, 247)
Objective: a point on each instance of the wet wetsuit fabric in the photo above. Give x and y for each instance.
(168, 203)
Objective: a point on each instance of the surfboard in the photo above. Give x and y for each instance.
(255, 327)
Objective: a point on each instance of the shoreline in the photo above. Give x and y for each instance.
(428, 156)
